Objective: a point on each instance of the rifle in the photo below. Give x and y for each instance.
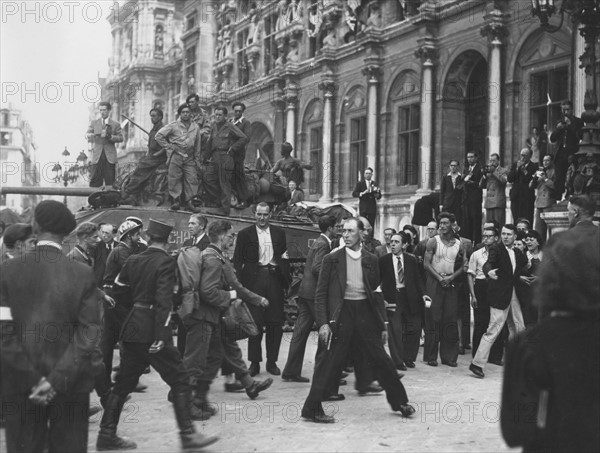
(135, 124)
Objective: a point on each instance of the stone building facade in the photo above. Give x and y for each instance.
(401, 86)
(18, 157)
(144, 70)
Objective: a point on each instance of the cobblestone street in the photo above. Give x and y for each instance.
(455, 412)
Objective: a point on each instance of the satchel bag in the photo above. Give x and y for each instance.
(238, 322)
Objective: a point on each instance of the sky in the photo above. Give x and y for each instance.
(51, 53)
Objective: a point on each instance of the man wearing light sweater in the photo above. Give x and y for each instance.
(348, 314)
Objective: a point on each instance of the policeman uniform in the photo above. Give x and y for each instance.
(147, 340)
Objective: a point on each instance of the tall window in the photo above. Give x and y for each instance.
(190, 66)
(316, 148)
(407, 172)
(270, 46)
(358, 146)
(548, 89)
(242, 65)
(190, 22)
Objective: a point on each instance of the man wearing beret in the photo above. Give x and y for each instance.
(49, 323)
(147, 340)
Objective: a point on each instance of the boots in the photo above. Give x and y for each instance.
(190, 439)
(201, 409)
(107, 437)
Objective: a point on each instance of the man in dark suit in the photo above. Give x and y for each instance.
(147, 340)
(368, 192)
(46, 381)
(522, 197)
(100, 251)
(472, 199)
(504, 266)
(293, 194)
(566, 135)
(104, 133)
(239, 185)
(402, 288)
(348, 312)
(197, 229)
(260, 260)
(384, 249)
(306, 300)
(451, 189)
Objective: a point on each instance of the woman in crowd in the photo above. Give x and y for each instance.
(533, 243)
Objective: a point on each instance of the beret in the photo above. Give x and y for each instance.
(54, 217)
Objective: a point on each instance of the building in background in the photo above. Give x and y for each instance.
(17, 157)
(402, 86)
(145, 70)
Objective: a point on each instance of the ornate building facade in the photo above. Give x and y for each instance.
(18, 157)
(400, 86)
(145, 68)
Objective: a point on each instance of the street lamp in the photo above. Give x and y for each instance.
(585, 13)
(66, 173)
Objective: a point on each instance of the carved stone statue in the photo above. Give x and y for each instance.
(219, 47)
(330, 39)
(255, 29)
(293, 55)
(295, 12)
(282, 15)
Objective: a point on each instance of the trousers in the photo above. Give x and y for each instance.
(441, 324)
(103, 172)
(357, 326)
(218, 179)
(182, 177)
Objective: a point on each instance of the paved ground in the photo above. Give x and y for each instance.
(455, 412)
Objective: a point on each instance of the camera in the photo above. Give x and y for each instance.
(488, 169)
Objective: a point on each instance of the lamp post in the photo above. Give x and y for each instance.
(67, 173)
(586, 15)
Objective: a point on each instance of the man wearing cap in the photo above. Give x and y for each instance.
(46, 292)
(147, 340)
(225, 141)
(210, 277)
(114, 315)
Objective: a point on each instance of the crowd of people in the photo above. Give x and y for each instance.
(204, 157)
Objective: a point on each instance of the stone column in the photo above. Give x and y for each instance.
(495, 30)
(427, 53)
(579, 79)
(291, 101)
(329, 87)
(372, 72)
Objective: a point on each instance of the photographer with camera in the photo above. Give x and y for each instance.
(102, 134)
(545, 196)
(566, 135)
(522, 197)
(494, 180)
(368, 192)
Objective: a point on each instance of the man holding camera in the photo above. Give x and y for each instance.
(368, 192)
(102, 135)
(522, 197)
(494, 180)
(566, 135)
(545, 195)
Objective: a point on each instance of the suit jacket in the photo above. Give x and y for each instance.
(451, 196)
(367, 203)
(412, 281)
(499, 292)
(44, 292)
(568, 137)
(99, 252)
(201, 245)
(472, 193)
(106, 144)
(312, 268)
(520, 179)
(296, 198)
(151, 277)
(496, 188)
(245, 256)
(331, 287)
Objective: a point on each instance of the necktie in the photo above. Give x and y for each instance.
(400, 272)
